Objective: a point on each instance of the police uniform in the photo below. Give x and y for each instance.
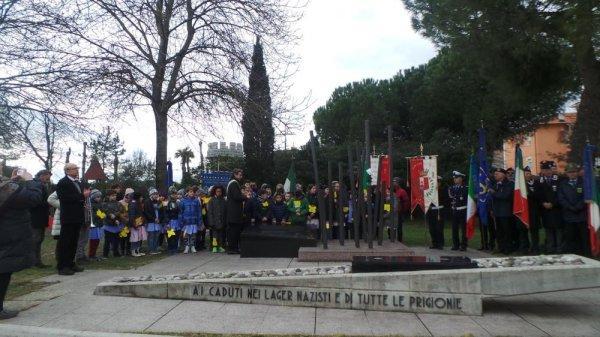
(574, 214)
(502, 196)
(551, 217)
(534, 195)
(458, 195)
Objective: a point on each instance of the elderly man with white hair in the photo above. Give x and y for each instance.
(72, 195)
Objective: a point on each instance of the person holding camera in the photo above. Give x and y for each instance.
(17, 196)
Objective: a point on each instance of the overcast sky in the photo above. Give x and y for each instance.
(342, 41)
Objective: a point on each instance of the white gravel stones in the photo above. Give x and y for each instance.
(495, 262)
(528, 261)
(334, 270)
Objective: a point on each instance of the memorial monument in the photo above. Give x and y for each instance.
(453, 291)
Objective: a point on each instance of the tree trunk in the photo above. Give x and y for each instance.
(588, 113)
(160, 118)
(116, 167)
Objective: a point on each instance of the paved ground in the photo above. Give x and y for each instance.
(70, 305)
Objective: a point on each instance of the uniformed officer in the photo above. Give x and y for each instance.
(570, 198)
(502, 196)
(534, 196)
(458, 194)
(551, 213)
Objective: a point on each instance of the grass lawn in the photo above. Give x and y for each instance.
(24, 282)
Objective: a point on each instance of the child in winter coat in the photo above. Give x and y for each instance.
(279, 210)
(172, 229)
(153, 212)
(190, 218)
(298, 209)
(263, 212)
(137, 223)
(112, 224)
(201, 235)
(97, 222)
(124, 234)
(217, 214)
(313, 215)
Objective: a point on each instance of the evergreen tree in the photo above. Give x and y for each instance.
(257, 122)
(526, 48)
(107, 147)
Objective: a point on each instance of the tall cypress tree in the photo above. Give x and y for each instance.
(257, 122)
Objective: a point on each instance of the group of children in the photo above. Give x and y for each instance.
(300, 209)
(181, 220)
(186, 218)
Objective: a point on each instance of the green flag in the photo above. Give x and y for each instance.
(290, 181)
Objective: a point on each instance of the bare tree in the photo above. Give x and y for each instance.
(39, 134)
(35, 89)
(187, 60)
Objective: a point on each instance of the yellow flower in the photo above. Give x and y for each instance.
(123, 233)
(100, 214)
(170, 232)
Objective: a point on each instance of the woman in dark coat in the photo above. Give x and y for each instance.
(16, 244)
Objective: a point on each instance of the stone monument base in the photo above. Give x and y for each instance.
(458, 291)
(346, 253)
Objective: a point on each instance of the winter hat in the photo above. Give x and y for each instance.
(152, 191)
(95, 194)
(129, 191)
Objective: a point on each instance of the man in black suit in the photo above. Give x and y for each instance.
(235, 208)
(71, 194)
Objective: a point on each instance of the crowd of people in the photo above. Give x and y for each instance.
(187, 220)
(555, 204)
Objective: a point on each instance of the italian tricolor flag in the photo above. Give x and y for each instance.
(471, 205)
(592, 198)
(520, 207)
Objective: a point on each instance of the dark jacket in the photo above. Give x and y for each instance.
(235, 202)
(250, 210)
(263, 210)
(40, 214)
(172, 210)
(113, 210)
(552, 217)
(217, 213)
(152, 209)
(72, 208)
(571, 201)
(97, 211)
(135, 212)
(279, 211)
(16, 245)
(503, 198)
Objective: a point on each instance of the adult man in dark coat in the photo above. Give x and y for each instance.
(570, 198)
(17, 197)
(39, 217)
(551, 213)
(534, 195)
(235, 209)
(502, 195)
(72, 195)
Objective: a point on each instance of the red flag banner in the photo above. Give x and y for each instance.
(384, 171)
(416, 183)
